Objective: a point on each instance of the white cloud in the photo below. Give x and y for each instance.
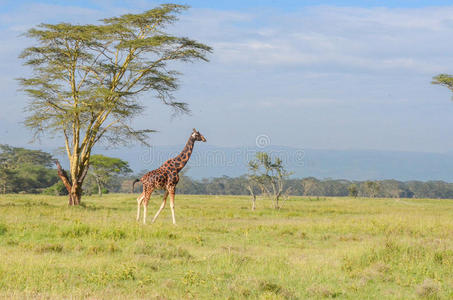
(377, 39)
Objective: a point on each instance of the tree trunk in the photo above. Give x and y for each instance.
(76, 194)
(276, 200)
(74, 188)
(99, 187)
(250, 188)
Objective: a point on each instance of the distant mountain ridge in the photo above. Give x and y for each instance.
(212, 161)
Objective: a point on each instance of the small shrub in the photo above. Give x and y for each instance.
(443, 257)
(193, 278)
(349, 237)
(267, 286)
(3, 229)
(322, 291)
(245, 292)
(58, 189)
(125, 273)
(348, 264)
(271, 287)
(428, 289)
(199, 240)
(115, 234)
(49, 248)
(172, 236)
(12, 242)
(77, 231)
(288, 231)
(95, 249)
(438, 258)
(111, 248)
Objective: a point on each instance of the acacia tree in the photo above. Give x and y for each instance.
(311, 186)
(372, 188)
(103, 168)
(86, 80)
(353, 190)
(444, 80)
(269, 175)
(23, 169)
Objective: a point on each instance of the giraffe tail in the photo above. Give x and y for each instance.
(133, 184)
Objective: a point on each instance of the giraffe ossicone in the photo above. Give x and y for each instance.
(166, 178)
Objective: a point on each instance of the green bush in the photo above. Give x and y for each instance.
(58, 189)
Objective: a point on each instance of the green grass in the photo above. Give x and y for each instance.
(312, 248)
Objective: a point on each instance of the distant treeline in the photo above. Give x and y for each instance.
(328, 187)
(31, 171)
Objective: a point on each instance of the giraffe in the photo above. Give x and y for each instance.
(166, 177)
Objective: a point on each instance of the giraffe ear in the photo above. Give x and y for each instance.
(194, 130)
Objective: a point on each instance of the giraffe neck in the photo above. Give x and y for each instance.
(185, 154)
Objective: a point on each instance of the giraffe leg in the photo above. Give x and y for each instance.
(145, 211)
(162, 206)
(172, 206)
(139, 203)
(145, 203)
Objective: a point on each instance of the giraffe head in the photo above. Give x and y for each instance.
(198, 136)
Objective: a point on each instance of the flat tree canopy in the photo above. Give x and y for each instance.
(444, 80)
(269, 175)
(87, 78)
(103, 168)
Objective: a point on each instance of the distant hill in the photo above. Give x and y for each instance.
(211, 161)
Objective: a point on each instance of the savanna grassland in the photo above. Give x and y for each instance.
(311, 248)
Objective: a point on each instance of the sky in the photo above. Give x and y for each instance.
(307, 74)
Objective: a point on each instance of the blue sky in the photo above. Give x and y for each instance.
(308, 74)
(241, 4)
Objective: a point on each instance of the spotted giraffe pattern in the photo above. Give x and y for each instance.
(166, 177)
